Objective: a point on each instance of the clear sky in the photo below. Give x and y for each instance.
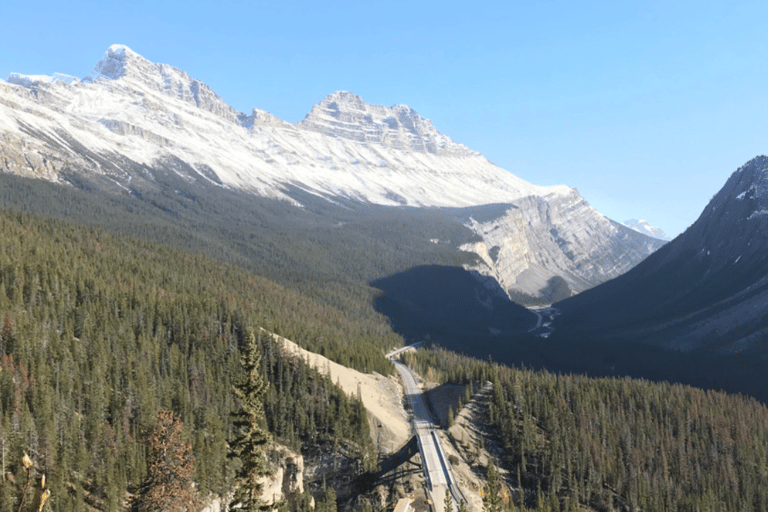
(645, 107)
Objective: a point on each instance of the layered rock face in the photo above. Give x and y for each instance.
(120, 62)
(540, 238)
(132, 120)
(346, 115)
(133, 111)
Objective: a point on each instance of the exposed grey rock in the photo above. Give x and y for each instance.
(344, 114)
(539, 238)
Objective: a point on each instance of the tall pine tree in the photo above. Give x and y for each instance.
(251, 438)
(492, 490)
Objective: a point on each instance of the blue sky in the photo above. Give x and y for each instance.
(645, 107)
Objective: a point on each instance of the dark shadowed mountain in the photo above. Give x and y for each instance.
(702, 297)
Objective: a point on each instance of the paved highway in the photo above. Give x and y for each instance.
(435, 464)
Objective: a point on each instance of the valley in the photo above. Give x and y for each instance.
(148, 230)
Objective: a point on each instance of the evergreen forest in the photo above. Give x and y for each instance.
(101, 332)
(102, 328)
(569, 441)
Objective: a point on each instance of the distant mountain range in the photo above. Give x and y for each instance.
(134, 128)
(642, 226)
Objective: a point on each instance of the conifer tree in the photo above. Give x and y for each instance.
(171, 466)
(492, 490)
(448, 501)
(251, 438)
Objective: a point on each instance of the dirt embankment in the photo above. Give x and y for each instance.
(465, 442)
(381, 396)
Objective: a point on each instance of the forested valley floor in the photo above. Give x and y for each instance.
(569, 441)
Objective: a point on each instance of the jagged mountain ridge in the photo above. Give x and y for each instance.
(155, 111)
(133, 114)
(345, 115)
(706, 289)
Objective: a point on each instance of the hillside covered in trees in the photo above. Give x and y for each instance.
(568, 441)
(100, 332)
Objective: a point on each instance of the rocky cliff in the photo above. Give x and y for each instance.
(539, 239)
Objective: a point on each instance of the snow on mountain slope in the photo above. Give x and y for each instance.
(131, 116)
(642, 226)
(707, 288)
(146, 112)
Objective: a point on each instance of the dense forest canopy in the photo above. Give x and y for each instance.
(100, 332)
(618, 443)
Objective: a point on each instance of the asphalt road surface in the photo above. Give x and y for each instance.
(436, 467)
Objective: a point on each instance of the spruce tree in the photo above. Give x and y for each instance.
(251, 438)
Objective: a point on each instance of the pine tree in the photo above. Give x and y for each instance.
(448, 501)
(492, 490)
(251, 438)
(168, 485)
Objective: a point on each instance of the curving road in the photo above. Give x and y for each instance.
(435, 464)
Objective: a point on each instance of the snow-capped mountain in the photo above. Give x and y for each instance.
(131, 118)
(644, 227)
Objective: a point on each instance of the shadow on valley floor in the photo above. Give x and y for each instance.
(459, 310)
(453, 308)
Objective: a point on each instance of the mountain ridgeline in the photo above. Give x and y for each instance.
(147, 226)
(137, 130)
(693, 311)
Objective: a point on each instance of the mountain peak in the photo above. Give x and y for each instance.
(122, 63)
(750, 180)
(116, 62)
(744, 196)
(343, 97)
(346, 115)
(644, 227)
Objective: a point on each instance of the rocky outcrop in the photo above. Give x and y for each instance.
(288, 476)
(133, 118)
(345, 115)
(286, 480)
(120, 62)
(540, 238)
